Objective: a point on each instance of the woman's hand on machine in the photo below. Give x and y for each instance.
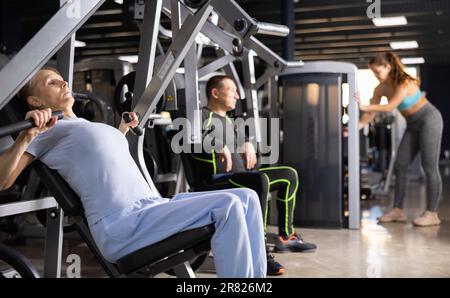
(357, 97)
(43, 121)
(124, 127)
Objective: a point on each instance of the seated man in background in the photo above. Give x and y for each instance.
(221, 92)
(123, 213)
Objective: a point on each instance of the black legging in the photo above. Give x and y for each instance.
(282, 179)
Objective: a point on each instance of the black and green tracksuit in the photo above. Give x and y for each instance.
(282, 179)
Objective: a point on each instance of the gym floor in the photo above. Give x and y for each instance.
(388, 250)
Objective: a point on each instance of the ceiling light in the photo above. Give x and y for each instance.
(119, 1)
(390, 21)
(130, 58)
(79, 44)
(404, 45)
(413, 60)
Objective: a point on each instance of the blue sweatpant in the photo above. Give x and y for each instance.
(238, 242)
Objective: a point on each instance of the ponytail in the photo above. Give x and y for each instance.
(397, 74)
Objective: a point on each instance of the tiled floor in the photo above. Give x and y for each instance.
(388, 250)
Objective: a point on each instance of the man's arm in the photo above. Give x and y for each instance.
(213, 137)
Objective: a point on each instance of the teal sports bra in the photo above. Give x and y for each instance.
(409, 101)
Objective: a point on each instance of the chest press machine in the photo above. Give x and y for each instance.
(234, 39)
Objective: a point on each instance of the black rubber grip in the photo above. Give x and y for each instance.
(25, 124)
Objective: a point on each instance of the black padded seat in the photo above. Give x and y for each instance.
(197, 240)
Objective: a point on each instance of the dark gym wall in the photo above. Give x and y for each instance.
(10, 29)
(21, 20)
(435, 82)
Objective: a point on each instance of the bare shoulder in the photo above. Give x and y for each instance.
(406, 88)
(412, 86)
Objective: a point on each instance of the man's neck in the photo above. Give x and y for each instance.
(216, 109)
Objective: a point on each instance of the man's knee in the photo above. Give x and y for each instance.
(264, 180)
(293, 173)
(292, 170)
(288, 173)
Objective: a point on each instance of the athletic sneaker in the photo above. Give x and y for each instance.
(293, 243)
(273, 267)
(394, 215)
(427, 219)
